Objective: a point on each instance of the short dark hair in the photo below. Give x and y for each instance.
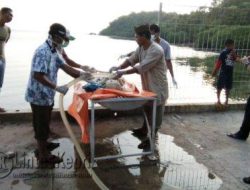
(155, 28)
(143, 30)
(229, 42)
(5, 10)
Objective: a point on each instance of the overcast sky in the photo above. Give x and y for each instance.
(87, 16)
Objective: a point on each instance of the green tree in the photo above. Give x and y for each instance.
(205, 28)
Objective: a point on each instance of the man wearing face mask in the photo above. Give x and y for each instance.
(155, 36)
(42, 85)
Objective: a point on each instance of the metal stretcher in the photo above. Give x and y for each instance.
(122, 104)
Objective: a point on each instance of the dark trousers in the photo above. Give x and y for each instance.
(41, 120)
(159, 116)
(245, 127)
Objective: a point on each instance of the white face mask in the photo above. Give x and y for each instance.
(59, 46)
(153, 37)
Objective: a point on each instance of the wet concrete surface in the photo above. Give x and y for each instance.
(192, 151)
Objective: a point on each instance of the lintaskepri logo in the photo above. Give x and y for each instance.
(6, 167)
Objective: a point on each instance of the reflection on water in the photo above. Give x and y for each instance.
(174, 169)
(27, 175)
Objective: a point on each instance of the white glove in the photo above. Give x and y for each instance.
(62, 89)
(174, 83)
(119, 74)
(86, 76)
(113, 69)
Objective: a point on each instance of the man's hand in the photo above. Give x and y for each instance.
(174, 83)
(119, 74)
(62, 89)
(217, 67)
(122, 56)
(214, 73)
(86, 76)
(113, 69)
(88, 69)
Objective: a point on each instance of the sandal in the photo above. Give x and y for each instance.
(246, 180)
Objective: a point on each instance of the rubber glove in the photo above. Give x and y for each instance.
(119, 74)
(113, 69)
(86, 76)
(62, 89)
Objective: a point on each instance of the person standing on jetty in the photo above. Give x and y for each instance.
(149, 61)
(5, 17)
(155, 35)
(244, 130)
(40, 92)
(225, 66)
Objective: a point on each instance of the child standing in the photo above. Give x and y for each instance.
(225, 64)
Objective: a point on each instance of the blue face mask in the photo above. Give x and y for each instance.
(59, 46)
(65, 44)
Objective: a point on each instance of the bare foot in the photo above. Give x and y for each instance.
(219, 106)
(2, 110)
(218, 103)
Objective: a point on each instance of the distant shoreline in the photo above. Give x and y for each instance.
(119, 37)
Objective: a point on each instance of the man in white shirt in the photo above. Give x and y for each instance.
(155, 35)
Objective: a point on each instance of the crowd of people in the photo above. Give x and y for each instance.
(151, 60)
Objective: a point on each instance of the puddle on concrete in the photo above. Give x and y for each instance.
(174, 169)
(26, 175)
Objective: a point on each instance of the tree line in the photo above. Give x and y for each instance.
(205, 29)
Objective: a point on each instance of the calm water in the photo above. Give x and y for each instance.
(99, 52)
